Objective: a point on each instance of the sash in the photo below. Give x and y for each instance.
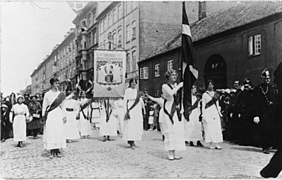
(212, 101)
(194, 106)
(173, 108)
(126, 116)
(57, 102)
(81, 110)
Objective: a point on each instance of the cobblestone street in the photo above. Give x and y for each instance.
(92, 158)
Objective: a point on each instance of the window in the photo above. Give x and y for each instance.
(128, 33)
(157, 70)
(110, 19)
(128, 62)
(170, 65)
(119, 37)
(133, 30)
(94, 38)
(254, 45)
(134, 4)
(101, 27)
(146, 72)
(114, 40)
(141, 73)
(104, 45)
(119, 12)
(94, 15)
(128, 7)
(105, 23)
(89, 23)
(133, 62)
(115, 15)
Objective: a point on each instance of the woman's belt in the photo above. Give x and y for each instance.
(69, 109)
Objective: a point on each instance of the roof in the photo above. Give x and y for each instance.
(241, 14)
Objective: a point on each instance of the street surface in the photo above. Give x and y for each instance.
(92, 158)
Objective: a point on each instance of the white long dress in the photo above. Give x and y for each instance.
(193, 127)
(174, 133)
(211, 119)
(19, 123)
(120, 114)
(53, 133)
(133, 127)
(84, 124)
(71, 128)
(96, 113)
(108, 128)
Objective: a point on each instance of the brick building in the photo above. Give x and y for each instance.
(234, 43)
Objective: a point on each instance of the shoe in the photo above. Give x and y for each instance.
(212, 147)
(132, 147)
(191, 143)
(58, 155)
(265, 151)
(199, 144)
(170, 158)
(218, 147)
(177, 158)
(104, 140)
(51, 156)
(3, 140)
(108, 138)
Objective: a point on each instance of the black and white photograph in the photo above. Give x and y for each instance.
(141, 89)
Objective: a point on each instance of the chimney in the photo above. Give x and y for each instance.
(202, 10)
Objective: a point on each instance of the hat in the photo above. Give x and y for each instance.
(265, 73)
(20, 96)
(247, 81)
(4, 106)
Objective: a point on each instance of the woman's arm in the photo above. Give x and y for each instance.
(167, 91)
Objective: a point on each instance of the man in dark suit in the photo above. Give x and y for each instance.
(274, 167)
(265, 100)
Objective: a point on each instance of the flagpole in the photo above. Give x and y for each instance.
(181, 64)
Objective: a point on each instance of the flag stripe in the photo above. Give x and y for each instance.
(186, 30)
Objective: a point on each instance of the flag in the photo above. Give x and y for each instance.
(188, 59)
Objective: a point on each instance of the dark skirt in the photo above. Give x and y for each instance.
(34, 124)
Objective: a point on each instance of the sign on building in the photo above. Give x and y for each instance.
(109, 73)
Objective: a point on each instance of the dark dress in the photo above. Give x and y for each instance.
(5, 130)
(245, 120)
(35, 111)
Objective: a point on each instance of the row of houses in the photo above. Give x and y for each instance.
(149, 32)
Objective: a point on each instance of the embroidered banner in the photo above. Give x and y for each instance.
(109, 73)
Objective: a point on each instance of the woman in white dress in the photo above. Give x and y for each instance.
(84, 120)
(193, 127)
(71, 110)
(133, 124)
(211, 117)
(18, 116)
(108, 124)
(173, 126)
(95, 113)
(53, 133)
(120, 115)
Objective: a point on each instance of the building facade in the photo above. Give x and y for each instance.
(60, 64)
(245, 39)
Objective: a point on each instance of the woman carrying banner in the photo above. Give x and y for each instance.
(173, 120)
(71, 127)
(133, 119)
(108, 124)
(193, 127)
(211, 117)
(18, 116)
(120, 115)
(52, 112)
(84, 114)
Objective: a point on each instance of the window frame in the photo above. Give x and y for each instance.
(254, 45)
(157, 70)
(170, 65)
